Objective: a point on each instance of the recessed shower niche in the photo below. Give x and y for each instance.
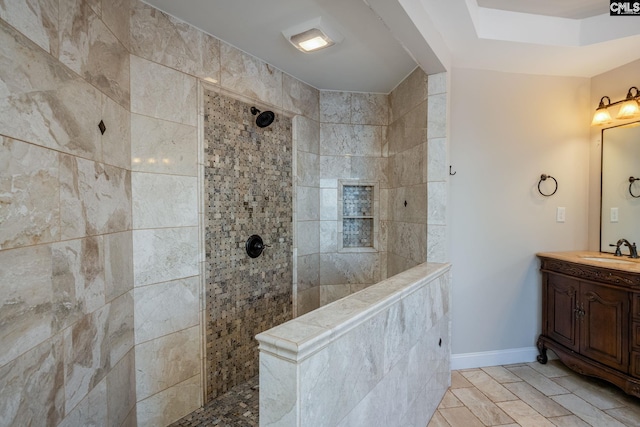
(248, 191)
(359, 204)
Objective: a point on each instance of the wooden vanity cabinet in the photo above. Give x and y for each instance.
(591, 320)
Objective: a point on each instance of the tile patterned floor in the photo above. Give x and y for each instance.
(526, 395)
(236, 408)
(533, 395)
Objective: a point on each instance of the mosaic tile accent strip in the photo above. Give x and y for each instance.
(248, 190)
(357, 232)
(357, 200)
(239, 407)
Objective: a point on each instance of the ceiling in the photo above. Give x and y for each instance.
(385, 39)
(575, 9)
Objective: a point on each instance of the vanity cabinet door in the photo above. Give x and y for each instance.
(562, 293)
(604, 325)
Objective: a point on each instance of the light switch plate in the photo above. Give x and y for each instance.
(560, 214)
(614, 215)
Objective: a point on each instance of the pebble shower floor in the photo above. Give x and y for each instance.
(236, 408)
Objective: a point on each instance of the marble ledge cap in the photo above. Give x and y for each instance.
(300, 338)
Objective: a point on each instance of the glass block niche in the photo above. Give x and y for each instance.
(358, 216)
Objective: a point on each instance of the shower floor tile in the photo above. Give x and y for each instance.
(236, 408)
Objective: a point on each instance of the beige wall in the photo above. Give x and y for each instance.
(506, 130)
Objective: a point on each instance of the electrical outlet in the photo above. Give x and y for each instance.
(560, 214)
(614, 215)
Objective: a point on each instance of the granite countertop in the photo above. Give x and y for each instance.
(597, 259)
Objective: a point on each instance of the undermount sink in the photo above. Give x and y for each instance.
(610, 260)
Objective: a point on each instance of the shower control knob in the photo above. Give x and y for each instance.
(255, 246)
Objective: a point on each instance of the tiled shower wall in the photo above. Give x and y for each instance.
(100, 253)
(66, 279)
(397, 141)
(353, 137)
(101, 241)
(248, 190)
(406, 220)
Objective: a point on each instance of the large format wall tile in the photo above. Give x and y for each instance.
(164, 254)
(78, 279)
(409, 130)
(437, 121)
(416, 208)
(166, 40)
(411, 92)
(319, 378)
(167, 361)
(91, 411)
(308, 169)
(306, 134)
(341, 268)
(91, 50)
(408, 167)
(118, 261)
(335, 107)
(162, 92)
(308, 271)
(369, 109)
(308, 237)
(25, 305)
(171, 404)
(32, 386)
(37, 19)
(370, 169)
(437, 213)
(121, 390)
(30, 208)
(308, 203)
(437, 243)
(300, 98)
(116, 16)
(95, 198)
(116, 141)
(334, 167)
(162, 146)
(437, 166)
(354, 140)
(403, 243)
(45, 103)
(165, 308)
(120, 327)
(86, 357)
(164, 200)
(249, 76)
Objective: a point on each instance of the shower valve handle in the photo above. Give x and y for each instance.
(255, 246)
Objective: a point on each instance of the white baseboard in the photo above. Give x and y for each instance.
(493, 358)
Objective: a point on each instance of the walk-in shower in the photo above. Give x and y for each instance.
(248, 192)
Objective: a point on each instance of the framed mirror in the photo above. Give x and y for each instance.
(619, 208)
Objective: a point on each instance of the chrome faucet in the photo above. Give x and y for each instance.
(633, 251)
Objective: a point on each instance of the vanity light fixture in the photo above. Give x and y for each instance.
(602, 116)
(629, 109)
(313, 35)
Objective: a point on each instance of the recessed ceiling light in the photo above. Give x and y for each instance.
(312, 35)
